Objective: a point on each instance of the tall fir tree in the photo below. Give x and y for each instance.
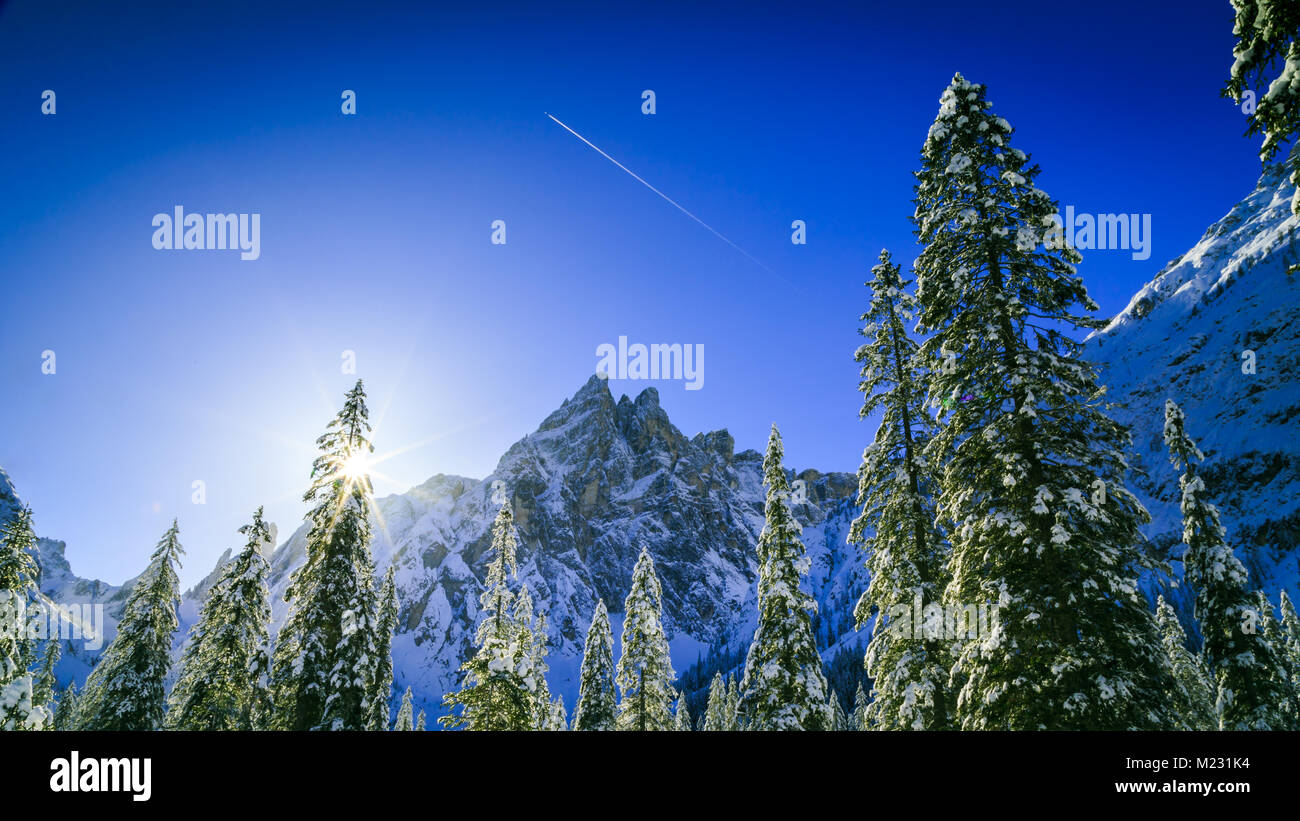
(533, 636)
(323, 668)
(896, 489)
(1290, 627)
(125, 691)
(385, 624)
(784, 687)
(1252, 691)
(715, 712)
(732, 714)
(220, 686)
(494, 693)
(405, 713)
(1193, 693)
(682, 715)
(1272, 633)
(19, 709)
(861, 709)
(559, 717)
(839, 721)
(65, 715)
(645, 671)
(1031, 483)
(45, 686)
(1268, 37)
(597, 707)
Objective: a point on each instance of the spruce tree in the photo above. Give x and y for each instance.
(559, 717)
(323, 668)
(1290, 627)
(1272, 633)
(405, 713)
(1032, 470)
(645, 671)
(419, 722)
(533, 637)
(220, 683)
(860, 709)
(45, 685)
(1252, 691)
(838, 720)
(125, 690)
(596, 708)
(1192, 694)
(1268, 37)
(495, 693)
(732, 714)
(783, 687)
(906, 553)
(682, 715)
(65, 715)
(19, 709)
(385, 624)
(715, 712)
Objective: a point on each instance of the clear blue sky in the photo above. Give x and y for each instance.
(375, 229)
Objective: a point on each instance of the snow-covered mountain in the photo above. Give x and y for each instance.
(1192, 334)
(599, 478)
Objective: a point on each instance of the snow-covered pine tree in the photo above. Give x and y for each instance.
(385, 624)
(1031, 470)
(45, 686)
(559, 718)
(419, 722)
(1268, 37)
(1193, 693)
(860, 711)
(597, 708)
(715, 712)
(783, 687)
(733, 705)
(645, 671)
(906, 552)
(405, 713)
(125, 690)
(1273, 635)
(838, 720)
(323, 668)
(533, 636)
(18, 573)
(1252, 691)
(219, 683)
(1290, 627)
(65, 715)
(494, 694)
(682, 715)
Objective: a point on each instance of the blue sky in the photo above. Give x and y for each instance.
(174, 366)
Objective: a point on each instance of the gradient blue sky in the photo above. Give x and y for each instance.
(176, 366)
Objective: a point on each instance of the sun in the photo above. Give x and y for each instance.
(357, 466)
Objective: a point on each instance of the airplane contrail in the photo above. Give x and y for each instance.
(662, 194)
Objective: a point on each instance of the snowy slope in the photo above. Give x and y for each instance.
(1182, 336)
(598, 479)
